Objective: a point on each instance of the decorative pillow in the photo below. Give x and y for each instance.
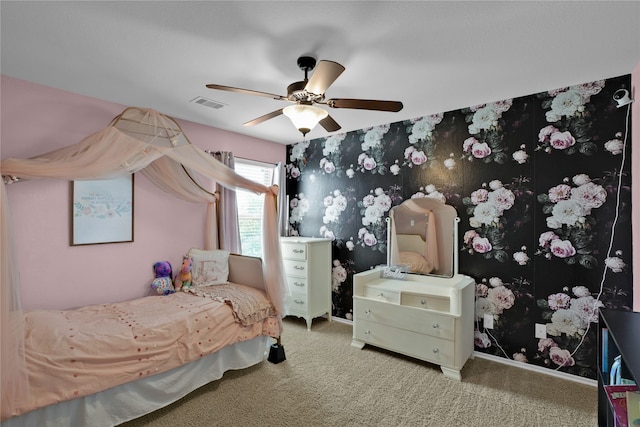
(416, 262)
(209, 267)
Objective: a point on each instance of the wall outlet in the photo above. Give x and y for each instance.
(541, 330)
(488, 321)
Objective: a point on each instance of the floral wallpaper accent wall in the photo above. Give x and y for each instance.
(545, 210)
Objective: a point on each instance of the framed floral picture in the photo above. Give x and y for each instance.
(102, 211)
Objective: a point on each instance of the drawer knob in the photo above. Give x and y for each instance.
(435, 350)
(381, 295)
(367, 332)
(367, 312)
(298, 267)
(423, 302)
(298, 251)
(297, 301)
(435, 326)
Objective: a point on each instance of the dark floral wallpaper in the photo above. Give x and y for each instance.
(542, 187)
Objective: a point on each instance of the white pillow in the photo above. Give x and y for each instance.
(209, 267)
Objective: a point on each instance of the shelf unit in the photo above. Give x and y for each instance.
(622, 338)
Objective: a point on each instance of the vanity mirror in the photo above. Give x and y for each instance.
(423, 236)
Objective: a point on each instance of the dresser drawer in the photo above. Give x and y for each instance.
(403, 317)
(294, 251)
(382, 295)
(297, 284)
(425, 347)
(299, 304)
(426, 301)
(295, 268)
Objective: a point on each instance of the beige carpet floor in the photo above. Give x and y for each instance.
(326, 382)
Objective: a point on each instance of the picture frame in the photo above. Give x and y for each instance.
(102, 211)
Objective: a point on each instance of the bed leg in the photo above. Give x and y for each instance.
(276, 353)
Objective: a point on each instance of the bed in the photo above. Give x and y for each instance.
(106, 364)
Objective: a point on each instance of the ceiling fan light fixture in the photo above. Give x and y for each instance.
(304, 117)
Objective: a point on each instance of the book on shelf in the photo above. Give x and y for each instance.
(617, 395)
(633, 409)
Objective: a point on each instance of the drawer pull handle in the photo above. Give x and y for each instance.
(298, 267)
(435, 350)
(367, 332)
(423, 302)
(367, 312)
(298, 284)
(298, 251)
(297, 301)
(435, 326)
(381, 295)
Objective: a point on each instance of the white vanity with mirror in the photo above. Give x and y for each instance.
(426, 313)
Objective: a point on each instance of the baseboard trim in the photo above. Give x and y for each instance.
(535, 368)
(527, 366)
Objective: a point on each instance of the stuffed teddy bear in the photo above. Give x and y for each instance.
(183, 280)
(163, 283)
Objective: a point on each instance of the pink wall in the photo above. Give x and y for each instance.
(36, 119)
(635, 183)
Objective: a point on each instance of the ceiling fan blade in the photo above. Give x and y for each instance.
(323, 76)
(365, 104)
(245, 91)
(329, 124)
(264, 118)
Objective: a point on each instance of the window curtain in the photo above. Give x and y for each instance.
(136, 140)
(228, 224)
(279, 179)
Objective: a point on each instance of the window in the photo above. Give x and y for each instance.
(250, 205)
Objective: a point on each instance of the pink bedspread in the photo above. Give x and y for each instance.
(80, 352)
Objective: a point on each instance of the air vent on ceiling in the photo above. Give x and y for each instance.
(207, 102)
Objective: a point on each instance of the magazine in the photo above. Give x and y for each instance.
(617, 395)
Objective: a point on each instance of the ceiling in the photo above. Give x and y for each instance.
(432, 56)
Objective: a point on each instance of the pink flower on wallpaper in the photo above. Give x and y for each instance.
(370, 239)
(559, 192)
(558, 301)
(482, 290)
(501, 298)
(481, 245)
(562, 248)
(329, 167)
(561, 357)
(468, 143)
(480, 150)
(546, 132)
(418, 157)
(469, 236)
(479, 196)
(369, 163)
(481, 340)
(562, 140)
(546, 238)
(590, 195)
(408, 151)
(545, 344)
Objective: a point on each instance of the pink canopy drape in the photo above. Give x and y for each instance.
(138, 140)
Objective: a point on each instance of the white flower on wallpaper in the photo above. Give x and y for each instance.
(568, 111)
(520, 156)
(615, 263)
(371, 160)
(429, 191)
(486, 141)
(570, 208)
(615, 146)
(373, 209)
(334, 205)
(421, 139)
(299, 206)
(331, 162)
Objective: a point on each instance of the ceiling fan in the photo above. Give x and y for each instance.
(304, 94)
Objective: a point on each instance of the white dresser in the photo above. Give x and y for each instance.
(307, 266)
(426, 317)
